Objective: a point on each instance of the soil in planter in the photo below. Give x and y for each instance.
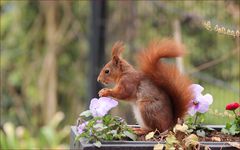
(211, 136)
(217, 136)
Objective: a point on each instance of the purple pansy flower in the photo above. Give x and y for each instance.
(81, 127)
(100, 107)
(200, 103)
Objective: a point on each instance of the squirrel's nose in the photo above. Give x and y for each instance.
(98, 80)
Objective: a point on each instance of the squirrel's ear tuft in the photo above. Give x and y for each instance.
(115, 60)
(117, 48)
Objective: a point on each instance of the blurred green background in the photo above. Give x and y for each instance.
(47, 50)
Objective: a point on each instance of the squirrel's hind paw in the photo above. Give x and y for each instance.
(140, 131)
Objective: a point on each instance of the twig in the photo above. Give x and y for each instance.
(213, 62)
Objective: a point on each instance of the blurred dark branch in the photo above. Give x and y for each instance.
(131, 27)
(72, 32)
(19, 104)
(33, 31)
(215, 82)
(67, 16)
(69, 26)
(234, 10)
(214, 62)
(65, 21)
(195, 18)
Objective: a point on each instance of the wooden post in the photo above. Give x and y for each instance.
(177, 37)
(97, 44)
(48, 75)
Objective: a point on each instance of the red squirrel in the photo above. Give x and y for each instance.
(158, 92)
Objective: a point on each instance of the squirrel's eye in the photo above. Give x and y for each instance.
(107, 71)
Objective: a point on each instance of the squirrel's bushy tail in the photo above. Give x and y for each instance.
(166, 76)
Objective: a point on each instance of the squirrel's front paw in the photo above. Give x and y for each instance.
(104, 92)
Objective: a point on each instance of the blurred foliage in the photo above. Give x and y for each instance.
(48, 136)
(24, 45)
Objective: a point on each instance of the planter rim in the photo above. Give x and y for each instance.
(149, 143)
(204, 125)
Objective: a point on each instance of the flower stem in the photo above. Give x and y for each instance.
(235, 113)
(195, 120)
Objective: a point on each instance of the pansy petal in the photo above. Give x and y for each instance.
(93, 104)
(108, 103)
(100, 107)
(208, 98)
(80, 131)
(81, 127)
(94, 112)
(197, 89)
(203, 106)
(102, 111)
(192, 111)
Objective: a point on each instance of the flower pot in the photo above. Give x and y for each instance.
(139, 145)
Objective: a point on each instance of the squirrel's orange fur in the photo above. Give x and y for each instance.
(159, 93)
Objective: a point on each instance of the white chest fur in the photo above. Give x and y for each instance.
(138, 116)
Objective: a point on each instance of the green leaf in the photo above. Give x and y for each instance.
(233, 130)
(190, 130)
(130, 135)
(208, 128)
(149, 135)
(99, 125)
(225, 131)
(191, 140)
(171, 140)
(57, 118)
(97, 144)
(111, 128)
(235, 144)
(158, 147)
(201, 118)
(192, 137)
(181, 128)
(86, 113)
(113, 132)
(77, 138)
(228, 125)
(201, 133)
(107, 119)
(91, 123)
